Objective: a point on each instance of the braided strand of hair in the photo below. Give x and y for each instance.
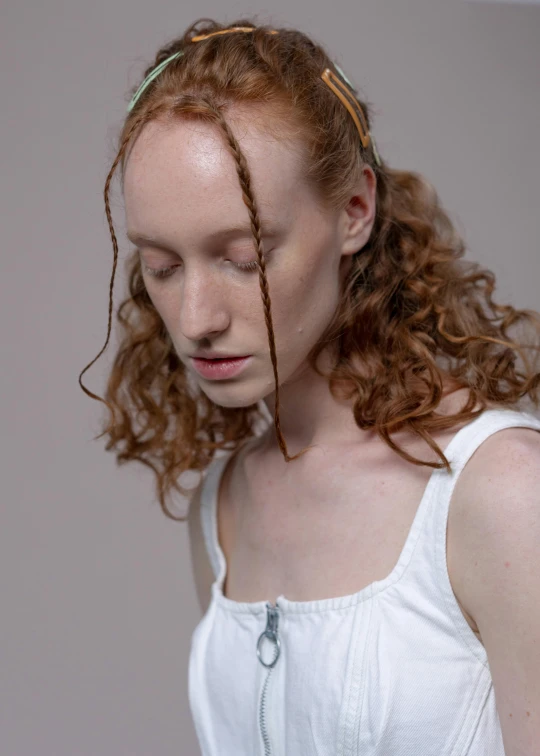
(249, 200)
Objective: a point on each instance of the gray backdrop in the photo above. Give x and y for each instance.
(97, 598)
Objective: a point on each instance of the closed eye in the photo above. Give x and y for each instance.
(167, 272)
(251, 266)
(160, 272)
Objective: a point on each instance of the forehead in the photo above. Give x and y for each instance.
(182, 173)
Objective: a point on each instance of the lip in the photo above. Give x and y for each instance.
(220, 369)
(202, 355)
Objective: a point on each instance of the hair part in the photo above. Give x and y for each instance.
(413, 313)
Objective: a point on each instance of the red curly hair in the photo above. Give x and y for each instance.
(417, 314)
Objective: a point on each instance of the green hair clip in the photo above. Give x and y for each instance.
(151, 76)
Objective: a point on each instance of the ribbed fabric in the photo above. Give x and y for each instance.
(393, 670)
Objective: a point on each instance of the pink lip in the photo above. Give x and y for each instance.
(220, 369)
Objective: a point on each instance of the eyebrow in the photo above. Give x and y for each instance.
(242, 229)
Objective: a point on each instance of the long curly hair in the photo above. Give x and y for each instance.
(412, 315)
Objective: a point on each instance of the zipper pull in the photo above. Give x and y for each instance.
(270, 632)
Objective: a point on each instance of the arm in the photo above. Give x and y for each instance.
(499, 545)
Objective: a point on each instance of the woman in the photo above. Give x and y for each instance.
(301, 330)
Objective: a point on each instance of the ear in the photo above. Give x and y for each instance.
(358, 216)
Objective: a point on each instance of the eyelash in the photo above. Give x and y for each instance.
(249, 267)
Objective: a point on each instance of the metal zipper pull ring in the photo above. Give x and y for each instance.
(270, 632)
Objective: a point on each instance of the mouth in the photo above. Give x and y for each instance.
(220, 368)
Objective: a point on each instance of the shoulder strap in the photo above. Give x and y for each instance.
(209, 496)
(209, 492)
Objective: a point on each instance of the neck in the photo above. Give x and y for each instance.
(310, 415)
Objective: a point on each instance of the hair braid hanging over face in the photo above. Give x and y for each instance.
(249, 200)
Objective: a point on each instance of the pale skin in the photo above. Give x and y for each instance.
(295, 528)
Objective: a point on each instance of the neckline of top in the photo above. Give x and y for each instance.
(336, 602)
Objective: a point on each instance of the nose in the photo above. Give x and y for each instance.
(203, 309)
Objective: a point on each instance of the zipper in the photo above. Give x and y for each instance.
(270, 633)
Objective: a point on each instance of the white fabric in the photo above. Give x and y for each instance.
(393, 670)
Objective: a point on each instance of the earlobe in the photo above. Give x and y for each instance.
(357, 236)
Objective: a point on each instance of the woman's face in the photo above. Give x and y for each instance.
(185, 213)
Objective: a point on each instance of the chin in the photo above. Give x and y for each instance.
(231, 397)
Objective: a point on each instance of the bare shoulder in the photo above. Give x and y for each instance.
(500, 465)
(200, 563)
(487, 495)
(500, 457)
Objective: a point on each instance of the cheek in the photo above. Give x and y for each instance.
(304, 303)
(164, 305)
(167, 303)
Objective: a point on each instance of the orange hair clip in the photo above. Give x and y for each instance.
(346, 97)
(227, 31)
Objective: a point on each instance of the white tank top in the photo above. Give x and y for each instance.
(393, 670)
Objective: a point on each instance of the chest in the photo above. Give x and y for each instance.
(330, 533)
